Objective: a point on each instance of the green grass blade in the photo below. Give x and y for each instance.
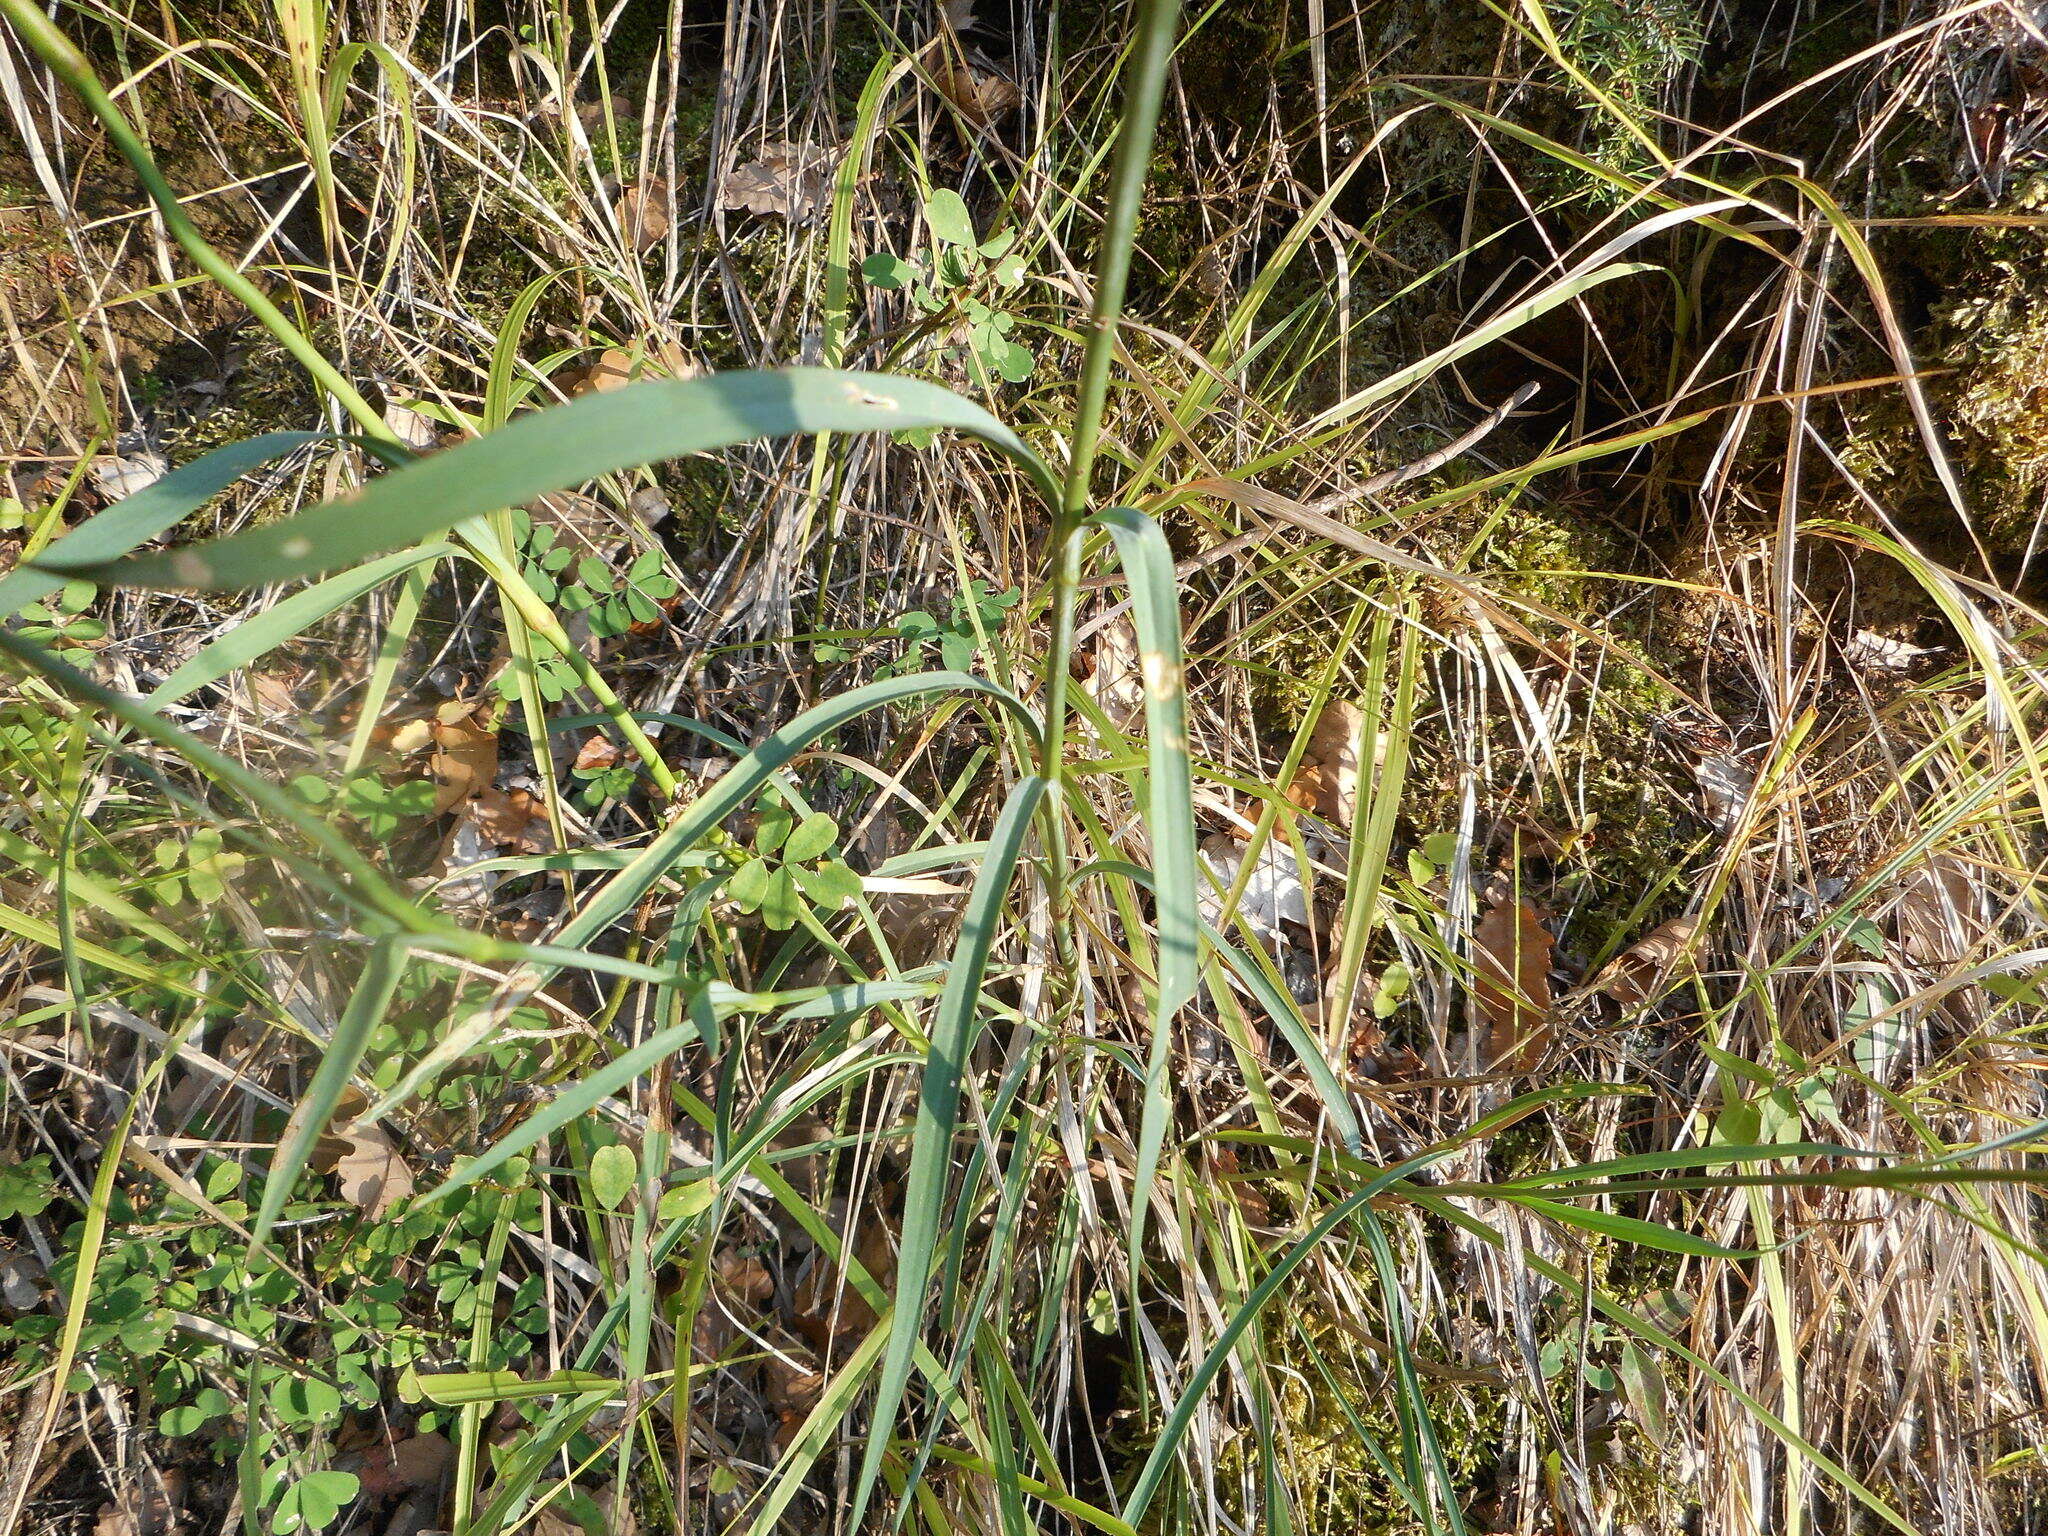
(267, 630)
(552, 450)
(365, 1010)
(1422, 1453)
(728, 793)
(1160, 1461)
(1284, 1012)
(1170, 818)
(1506, 323)
(137, 519)
(1286, 1017)
(364, 881)
(456, 1389)
(938, 1108)
(571, 1104)
(1628, 1229)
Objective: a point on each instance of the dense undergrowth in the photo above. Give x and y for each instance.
(1400, 892)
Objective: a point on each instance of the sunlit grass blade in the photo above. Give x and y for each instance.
(364, 882)
(553, 450)
(728, 793)
(1562, 291)
(135, 520)
(1166, 1445)
(1170, 819)
(263, 632)
(954, 1025)
(382, 968)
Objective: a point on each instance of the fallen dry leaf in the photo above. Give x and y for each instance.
(792, 1392)
(616, 367)
(1114, 680)
(584, 518)
(1938, 913)
(1273, 893)
(642, 212)
(509, 819)
(415, 1462)
(824, 1306)
(596, 752)
(465, 760)
(1251, 1200)
(368, 1170)
(274, 696)
(1327, 781)
(117, 475)
(148, 1504)
(980, 94)
(1643, 973)
(1511, 955)
(787, 181)
(1725, 786)
(744, 1277)
(422, 434)
(1868, 651)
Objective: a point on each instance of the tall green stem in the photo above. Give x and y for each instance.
(1144, 89)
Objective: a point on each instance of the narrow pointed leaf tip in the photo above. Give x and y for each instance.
(554, 449)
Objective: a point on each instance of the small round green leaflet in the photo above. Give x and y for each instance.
(311, 1503)
(612, 1171)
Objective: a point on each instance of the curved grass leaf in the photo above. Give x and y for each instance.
(137, 519)
(730, 791)
(266, 631)
(1286, 1016)
(363, 882)
(1182, 1415)
(572, 1104)
(455, 1389)
(1284, 1012)
(938, 1108)
(1170, 819)
(1682, 1157)
(552, 450)
(1627, 1229)
(1422, 1453)
(1510, 320)
(365, 1010)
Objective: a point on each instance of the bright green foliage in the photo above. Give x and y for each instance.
(26, 1188)
(585, 584)
(790, 861)
(613, 1169)
(197, 869)
(207, 1405)
(597, 785)
(979, 613)
(63, 619)
(172, 1260)
(967, 278)
(312, 1502)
